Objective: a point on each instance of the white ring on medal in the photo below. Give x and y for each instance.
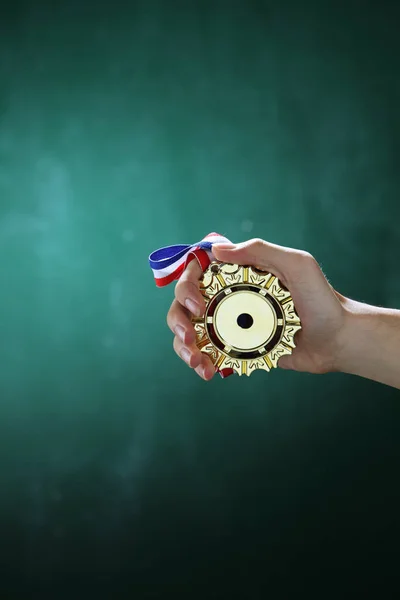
(258, 307)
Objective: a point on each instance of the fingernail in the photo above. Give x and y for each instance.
(185, 354)
(224, 246)
(201, 371)
(180, 332)
(193, 306)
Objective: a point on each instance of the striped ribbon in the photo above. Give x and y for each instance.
(169, 263)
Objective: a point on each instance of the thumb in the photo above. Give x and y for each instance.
(231, 253)
(260, 254)
(253, 252)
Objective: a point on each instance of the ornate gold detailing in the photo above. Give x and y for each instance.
(250, 319)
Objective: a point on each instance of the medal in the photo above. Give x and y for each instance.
(250, 319)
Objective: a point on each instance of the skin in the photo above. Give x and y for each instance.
(338, 334)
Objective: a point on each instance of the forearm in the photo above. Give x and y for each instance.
(370, 343)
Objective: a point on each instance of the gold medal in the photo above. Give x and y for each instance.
(250, 319)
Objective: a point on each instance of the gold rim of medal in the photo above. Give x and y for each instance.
(250, 319)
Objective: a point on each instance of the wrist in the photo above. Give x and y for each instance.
(368, 342)
(351, 335)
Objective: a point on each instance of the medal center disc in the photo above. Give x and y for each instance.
(245, 320)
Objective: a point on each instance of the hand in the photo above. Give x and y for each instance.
(320, 308)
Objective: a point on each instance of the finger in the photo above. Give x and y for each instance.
(178, 319)
(206, 369)
(187, 289)
(191, 355)
(195, 359)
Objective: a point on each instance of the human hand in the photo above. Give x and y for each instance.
(321, 309)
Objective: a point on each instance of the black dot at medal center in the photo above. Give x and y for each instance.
(245, 321)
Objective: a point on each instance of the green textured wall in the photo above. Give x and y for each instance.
(128, 126)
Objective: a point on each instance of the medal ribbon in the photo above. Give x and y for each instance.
(169, 263)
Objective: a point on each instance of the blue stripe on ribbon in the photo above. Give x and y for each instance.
(164, 257)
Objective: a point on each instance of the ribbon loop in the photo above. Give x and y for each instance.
(169, 263)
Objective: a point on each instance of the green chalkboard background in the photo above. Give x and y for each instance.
(126, 126)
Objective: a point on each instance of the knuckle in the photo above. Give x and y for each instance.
(182, 289)
(178, 289)
(192, 273)
(306, 258)
(258, 252)
(193, 270)
(171, 316)
(192, 287)
(256, 244)
(180, 294)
